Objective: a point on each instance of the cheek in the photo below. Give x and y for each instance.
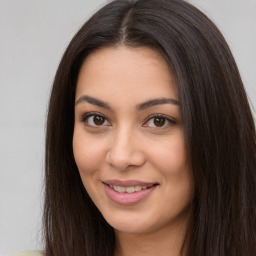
(172, 162)
(88, 154)
(89, 157)
(178, 181)
(171, 157)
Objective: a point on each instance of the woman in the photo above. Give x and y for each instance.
(150, 142)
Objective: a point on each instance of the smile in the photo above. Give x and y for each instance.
(124, 193)
(131, 189)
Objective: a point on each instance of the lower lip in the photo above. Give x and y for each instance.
(127, 198)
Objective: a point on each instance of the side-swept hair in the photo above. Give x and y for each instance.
(219, 131)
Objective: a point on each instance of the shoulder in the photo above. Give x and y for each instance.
(28, 253)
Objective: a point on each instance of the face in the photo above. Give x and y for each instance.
(128, 139)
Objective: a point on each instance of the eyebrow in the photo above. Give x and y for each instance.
(141, 106)
(93, 101)
(155, 102)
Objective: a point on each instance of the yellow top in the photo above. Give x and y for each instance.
(28, 253)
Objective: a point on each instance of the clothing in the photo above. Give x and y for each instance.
(28, 253)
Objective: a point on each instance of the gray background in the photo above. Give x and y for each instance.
(33, 37)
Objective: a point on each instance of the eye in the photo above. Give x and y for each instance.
(95, 120)
(158, 121)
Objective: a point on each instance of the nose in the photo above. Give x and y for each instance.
(125, 150)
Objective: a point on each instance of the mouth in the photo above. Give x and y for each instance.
(130, 189)
(128, 192)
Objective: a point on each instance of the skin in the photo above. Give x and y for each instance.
(129, 144)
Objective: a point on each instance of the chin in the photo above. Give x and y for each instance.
(130, 228)
(133, 223)
(145, 222)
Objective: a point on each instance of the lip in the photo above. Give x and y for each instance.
(128, 198)
(128, 183)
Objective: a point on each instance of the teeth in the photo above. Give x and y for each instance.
(129, 189)
(139, 188)
(119, 189)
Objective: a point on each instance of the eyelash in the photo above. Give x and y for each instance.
(167, 120)
(85, 118)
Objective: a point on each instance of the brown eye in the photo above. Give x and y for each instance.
(95, 120)
(159, 121)
(98, 120)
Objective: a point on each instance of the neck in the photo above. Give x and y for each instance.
(167, 241)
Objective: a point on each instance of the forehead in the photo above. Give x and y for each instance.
(124, 70)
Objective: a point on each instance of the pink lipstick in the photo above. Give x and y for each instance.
(128, 192)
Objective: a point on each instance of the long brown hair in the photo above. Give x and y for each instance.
(219, 131)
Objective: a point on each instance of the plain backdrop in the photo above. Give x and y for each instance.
(33, 37)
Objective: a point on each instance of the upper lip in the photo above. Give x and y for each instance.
(128, 183)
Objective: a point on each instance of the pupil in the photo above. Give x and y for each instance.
(158, 121)
(98, 120)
